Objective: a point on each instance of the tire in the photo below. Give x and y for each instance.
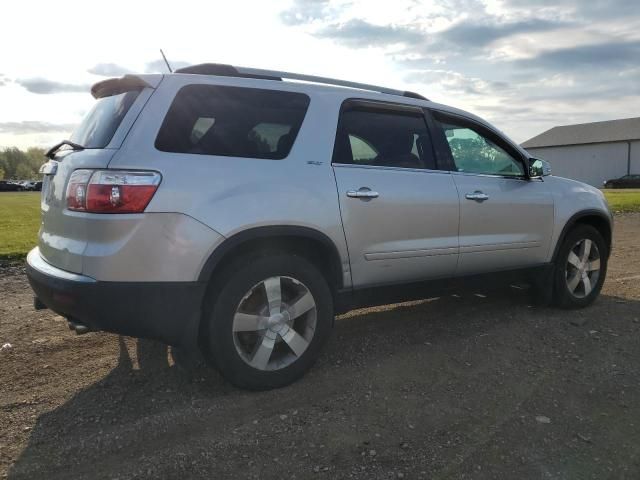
(571, 288)
(289, 335)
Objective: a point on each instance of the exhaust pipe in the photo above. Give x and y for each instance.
(79, 328)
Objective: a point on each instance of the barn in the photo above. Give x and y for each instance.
(590, 152)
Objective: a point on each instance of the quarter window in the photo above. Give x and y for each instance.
(383, 138)
(475, 152)
(232, 122)
(362, 152)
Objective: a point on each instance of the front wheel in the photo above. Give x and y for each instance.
(269, 320)
(581, 267)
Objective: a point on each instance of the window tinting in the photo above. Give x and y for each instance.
(383, 138)
(232, 121)
(474, 152)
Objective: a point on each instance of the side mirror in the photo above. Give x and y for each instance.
(539, 168)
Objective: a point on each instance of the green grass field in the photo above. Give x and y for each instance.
(19, 223)
(20, 218)
(624, 200)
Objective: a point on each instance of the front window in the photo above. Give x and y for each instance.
(475, 152)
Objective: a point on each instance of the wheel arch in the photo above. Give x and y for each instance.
(313, 244)
(595, 218)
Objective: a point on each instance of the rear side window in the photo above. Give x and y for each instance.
(102, 121)
(232, 122)
(383, 138)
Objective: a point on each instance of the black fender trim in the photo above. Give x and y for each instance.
(572, 222)
(271, 232)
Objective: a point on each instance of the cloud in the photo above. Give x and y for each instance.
(3, 79)
(359, 33)
(109, 70)
(31, 127)
(457, 83)
(44, 86)
(307, 11)
(159, 66)
(469, 34)
(594, 57)
(580, 9)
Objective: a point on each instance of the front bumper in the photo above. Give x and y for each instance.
(165, 311)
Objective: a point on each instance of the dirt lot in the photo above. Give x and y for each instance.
(459, 387)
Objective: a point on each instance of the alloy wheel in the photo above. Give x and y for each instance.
(274, 323)
(583, 268)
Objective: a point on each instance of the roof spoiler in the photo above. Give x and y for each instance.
(115, 86)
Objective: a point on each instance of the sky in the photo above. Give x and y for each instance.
(524, 65)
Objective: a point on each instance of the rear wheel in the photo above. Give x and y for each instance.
(269, 321)
(581, 267)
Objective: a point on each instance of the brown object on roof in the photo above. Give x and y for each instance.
(597, 132)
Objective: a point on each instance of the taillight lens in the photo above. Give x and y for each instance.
(77, 189)
(111, 191)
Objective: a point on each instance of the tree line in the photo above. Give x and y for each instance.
(16, 164)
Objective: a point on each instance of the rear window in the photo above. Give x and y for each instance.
(232, 122)
(102, 121)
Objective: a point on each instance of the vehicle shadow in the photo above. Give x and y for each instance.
(102, 430)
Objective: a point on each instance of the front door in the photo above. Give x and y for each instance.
(399, 212)
(506, 219)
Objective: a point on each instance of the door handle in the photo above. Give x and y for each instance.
(478, 196)
(363, 192)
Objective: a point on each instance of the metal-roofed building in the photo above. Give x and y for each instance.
(590, 152)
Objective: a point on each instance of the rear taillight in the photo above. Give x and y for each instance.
(111, 191)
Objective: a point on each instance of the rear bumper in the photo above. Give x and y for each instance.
(165, 311)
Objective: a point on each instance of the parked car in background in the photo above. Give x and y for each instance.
(37, 186)
(7, 186)
(229, 210)
(627, 181)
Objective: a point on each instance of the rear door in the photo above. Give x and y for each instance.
(400, 213)
(506, 219)
(63, 234)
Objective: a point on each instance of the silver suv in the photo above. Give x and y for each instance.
(229, 210)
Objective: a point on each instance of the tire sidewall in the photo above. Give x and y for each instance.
(239, 280)
(563, 297)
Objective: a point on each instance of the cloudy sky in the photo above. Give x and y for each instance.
(526, 65)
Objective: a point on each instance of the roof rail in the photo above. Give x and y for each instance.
(245, 72)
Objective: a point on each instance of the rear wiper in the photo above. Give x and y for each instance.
(52, 151)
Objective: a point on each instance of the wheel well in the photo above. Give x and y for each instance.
(599, 224)
(596, 221)
(320, 253)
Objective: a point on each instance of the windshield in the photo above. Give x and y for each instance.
(99, 125)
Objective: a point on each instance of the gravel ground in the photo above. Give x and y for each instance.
(471, 386)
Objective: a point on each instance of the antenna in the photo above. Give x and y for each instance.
(166, 61)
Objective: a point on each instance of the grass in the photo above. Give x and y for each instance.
(623, 200)
(19, 223)
(20, 218)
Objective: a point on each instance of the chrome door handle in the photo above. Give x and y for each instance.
(478, 196)
(362, 193)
